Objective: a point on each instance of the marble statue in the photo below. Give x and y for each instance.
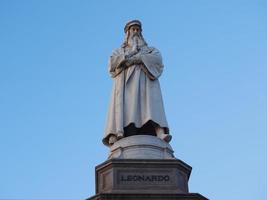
(136, 106)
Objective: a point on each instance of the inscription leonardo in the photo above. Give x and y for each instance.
(145, 178)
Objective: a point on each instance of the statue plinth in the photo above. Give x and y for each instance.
(141, 147)
(142, 176)
(143, 167)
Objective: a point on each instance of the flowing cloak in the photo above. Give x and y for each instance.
(136, 95)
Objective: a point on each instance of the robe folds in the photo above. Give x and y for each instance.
(136, 96)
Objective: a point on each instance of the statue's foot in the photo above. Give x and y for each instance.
(162, 135)
(112, 139)
(119, 136)
(165, 137)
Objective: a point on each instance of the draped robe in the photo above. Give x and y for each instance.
(136, 96)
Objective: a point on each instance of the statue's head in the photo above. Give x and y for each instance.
(135, 23)
(133, 34)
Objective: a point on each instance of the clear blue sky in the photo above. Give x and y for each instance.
(55, 90)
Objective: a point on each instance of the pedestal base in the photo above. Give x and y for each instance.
(114, 196)
(143, 167)
(142, 179)
(142, 176)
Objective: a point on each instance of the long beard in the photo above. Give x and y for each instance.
(136, 41)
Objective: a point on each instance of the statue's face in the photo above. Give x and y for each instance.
(135, 29)
(134, 37)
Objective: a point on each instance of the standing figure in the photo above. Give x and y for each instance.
(136, 106)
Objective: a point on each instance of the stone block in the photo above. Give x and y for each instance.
(142, 176)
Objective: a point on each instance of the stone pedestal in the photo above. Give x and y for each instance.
(118, 196)
(142, 176)
(143, 167)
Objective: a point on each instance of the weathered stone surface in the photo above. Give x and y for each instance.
(142, 176)
(141, 147)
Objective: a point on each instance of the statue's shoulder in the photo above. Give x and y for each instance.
(118, 51)
(152, 50)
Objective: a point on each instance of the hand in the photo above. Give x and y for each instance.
(131, 54)
(137, 59)
(133, 60)
(129, 62)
